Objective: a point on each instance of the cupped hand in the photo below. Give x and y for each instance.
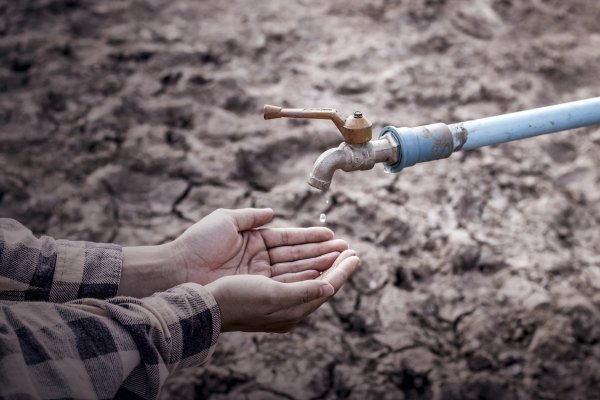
(231, 242)
(252, 303)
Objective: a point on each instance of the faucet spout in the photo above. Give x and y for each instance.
(352, 157)
(325, 166)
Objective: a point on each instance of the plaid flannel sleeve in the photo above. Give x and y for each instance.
(118, 348)
(45, 269)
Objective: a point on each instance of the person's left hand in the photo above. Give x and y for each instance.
(253, 303)
(229, 242)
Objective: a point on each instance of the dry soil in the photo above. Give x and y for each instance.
(127, 120)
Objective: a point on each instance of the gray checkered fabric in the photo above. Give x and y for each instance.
(59, 338)
(45, 269)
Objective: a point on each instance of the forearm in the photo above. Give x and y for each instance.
(149, 269)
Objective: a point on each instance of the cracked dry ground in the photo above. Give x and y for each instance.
(128, 120)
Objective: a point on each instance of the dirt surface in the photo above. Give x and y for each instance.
(127, 120)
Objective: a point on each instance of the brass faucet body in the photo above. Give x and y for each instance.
(352, 157)
(357, 152)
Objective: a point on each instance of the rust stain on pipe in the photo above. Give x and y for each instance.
(462, 135)
(441, 140)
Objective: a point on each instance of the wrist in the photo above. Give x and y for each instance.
(216, 291)
(149, 269)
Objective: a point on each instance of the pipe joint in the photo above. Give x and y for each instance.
(419, 144)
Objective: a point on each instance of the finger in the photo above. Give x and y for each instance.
(302, 251)
(345, 254)
(248, 218)
(294, 294)
(274, 237)
(297, 276)
(339, 274)
(320, 263)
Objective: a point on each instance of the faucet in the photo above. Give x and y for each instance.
(401, 147)
(356, 152)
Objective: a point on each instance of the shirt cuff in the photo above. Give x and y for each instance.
(194, 323)
(86, 270)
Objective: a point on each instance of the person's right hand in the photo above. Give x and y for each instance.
(229, 242)
(254, 303)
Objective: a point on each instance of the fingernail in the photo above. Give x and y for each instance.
(326, 290)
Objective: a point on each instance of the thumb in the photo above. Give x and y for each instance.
(248, 218)
(304, 292)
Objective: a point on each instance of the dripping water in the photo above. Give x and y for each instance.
(323, 215)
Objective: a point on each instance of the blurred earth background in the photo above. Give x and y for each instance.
(127, 120)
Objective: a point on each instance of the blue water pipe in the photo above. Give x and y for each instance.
(437, 141)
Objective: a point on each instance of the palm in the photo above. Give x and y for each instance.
(226, 242)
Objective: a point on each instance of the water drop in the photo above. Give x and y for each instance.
(387, 171)
(322, 217)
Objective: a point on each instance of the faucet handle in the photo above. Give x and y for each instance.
(272, 112)
(356, 129)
